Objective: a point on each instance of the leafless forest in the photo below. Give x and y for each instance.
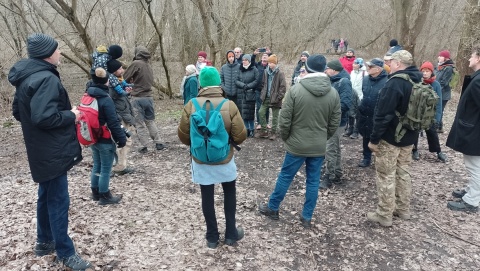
(159, 224)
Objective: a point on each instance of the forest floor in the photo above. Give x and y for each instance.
(159, 223)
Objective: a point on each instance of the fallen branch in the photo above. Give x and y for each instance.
(455, 235)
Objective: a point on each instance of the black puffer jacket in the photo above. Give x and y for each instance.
(341, 82)
(123, 107)
(247, 79)
(107, 113)
(48, 126)
(371, 87)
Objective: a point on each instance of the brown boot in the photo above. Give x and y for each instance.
(272, 136)
(263, 134)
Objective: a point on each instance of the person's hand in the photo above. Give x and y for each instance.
(268, 50)
(373, 147)
(128, 89)
(76, 112)
(256, 51)
(121, 144)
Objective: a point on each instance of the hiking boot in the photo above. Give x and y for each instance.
(42, 249)
(273, 136)
(355, 135)
(348, 133)
(95, 195)
(240, 234)
(127, 170)
(258, 127)
(143, 150)
(212, 245)
(75, 262)
(402, 214)
(462, 206)
(442, 157)
(325, 183)
(108, 198)
(415, 155)
(306, 223)
(263, 134)
(374, 217)
(364, 163)
(159, 146)
(459, 193)
(265, 210)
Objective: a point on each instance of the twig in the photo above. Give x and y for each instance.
(455, 235)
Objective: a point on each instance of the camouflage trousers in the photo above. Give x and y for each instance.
(394, 183)
(333, 156)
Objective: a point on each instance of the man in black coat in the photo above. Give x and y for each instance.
(464, 136)
(42, 106)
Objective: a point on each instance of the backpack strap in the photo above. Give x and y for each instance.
(400, 131)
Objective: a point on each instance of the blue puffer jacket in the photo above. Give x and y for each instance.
(341, 82)
(371, 87)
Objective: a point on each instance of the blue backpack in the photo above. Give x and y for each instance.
(208, 137)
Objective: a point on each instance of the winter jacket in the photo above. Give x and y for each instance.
(228, 75)
(296, 71)
(246, 80)
(107, 113)
(190, 88)
(465, 131)
(394, 96)
(278, 87)
(341, 82)
(356, 77)
(123, 107)
(371, 87)
(231, 117)
(100, 60)
(347, 63)
(42, 106)
(438, 111)
(310, 115)
(140, 73)
(261, 70)
(444, 76)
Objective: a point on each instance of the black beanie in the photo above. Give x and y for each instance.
(315, 63)
(41, 46)
(393, 42)
(99, 76)
(115, 51)
(113, 65)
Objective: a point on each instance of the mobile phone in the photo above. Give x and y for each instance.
(262, 50)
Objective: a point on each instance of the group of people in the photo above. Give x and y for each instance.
(324, 97)
(338, 45)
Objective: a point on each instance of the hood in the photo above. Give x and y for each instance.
(26, 67)
(379, 77)
(226, 57)
(412, 71)
(316, 83)
(142, 53)
(96, 90)
(342, 74)
(448, 62)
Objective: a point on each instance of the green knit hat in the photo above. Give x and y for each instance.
(209, 77)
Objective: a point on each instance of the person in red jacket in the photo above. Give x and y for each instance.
(347, 60)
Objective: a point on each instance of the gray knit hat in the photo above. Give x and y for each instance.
(41, 46)
(335, 65)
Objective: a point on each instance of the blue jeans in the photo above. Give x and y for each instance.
(103, 155)
(290, 167)
(249, 124)
(52, 215)
(258, 105)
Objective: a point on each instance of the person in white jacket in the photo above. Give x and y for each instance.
(356, 77)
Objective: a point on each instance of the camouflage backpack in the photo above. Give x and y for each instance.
(455, 78)
(420, 113)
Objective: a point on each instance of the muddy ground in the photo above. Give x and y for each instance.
(159, 224)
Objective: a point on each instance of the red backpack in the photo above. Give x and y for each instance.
(88, 126)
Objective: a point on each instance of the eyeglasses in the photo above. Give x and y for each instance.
(237, 52)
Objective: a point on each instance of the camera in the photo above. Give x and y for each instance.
(127, 132)
(262, 50)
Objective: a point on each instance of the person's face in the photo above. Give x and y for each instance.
(303, 58)
(55, 58)
(245, 62)
(387, 62)
(356, 66)
(474, 62)
(426, 73)
(237, 53)
(373, 70)
(272, 65)
(231, 58)
(264, 57)
(394, 65)
(329, 72)
(349, 53)
(441, 59)
(201, 59)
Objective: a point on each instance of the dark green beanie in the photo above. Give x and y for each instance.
(335, 65)
(209, 77)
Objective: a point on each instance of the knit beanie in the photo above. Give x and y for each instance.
(427, 65)
(113, 65)
(190, 69)
(99, 76)
(305, 53)
(315, 63)
(445, 54)
(41, 46)
(359, 61)
(115, 51)
(247, 57)
(209, 77)
(335, 65)
(272, 59)
(351, 50)
(202, 53)
(393, 42)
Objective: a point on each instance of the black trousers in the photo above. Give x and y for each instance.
(432, 139)
(367, 153)
(229, 205)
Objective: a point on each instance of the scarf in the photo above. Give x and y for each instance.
(429, 80)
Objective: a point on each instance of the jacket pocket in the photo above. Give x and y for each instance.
(465, 124)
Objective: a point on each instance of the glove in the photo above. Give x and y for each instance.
(121, 144)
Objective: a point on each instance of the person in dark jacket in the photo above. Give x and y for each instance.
(246, 83)
(104, 150)
(42, 106)
(392, 158)
(125, 115)
(228, 75)
(464, 135)
(371, 86)
(190, 84)
(301, 63)
(444, 76)
(340, 79)
(261, 67)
